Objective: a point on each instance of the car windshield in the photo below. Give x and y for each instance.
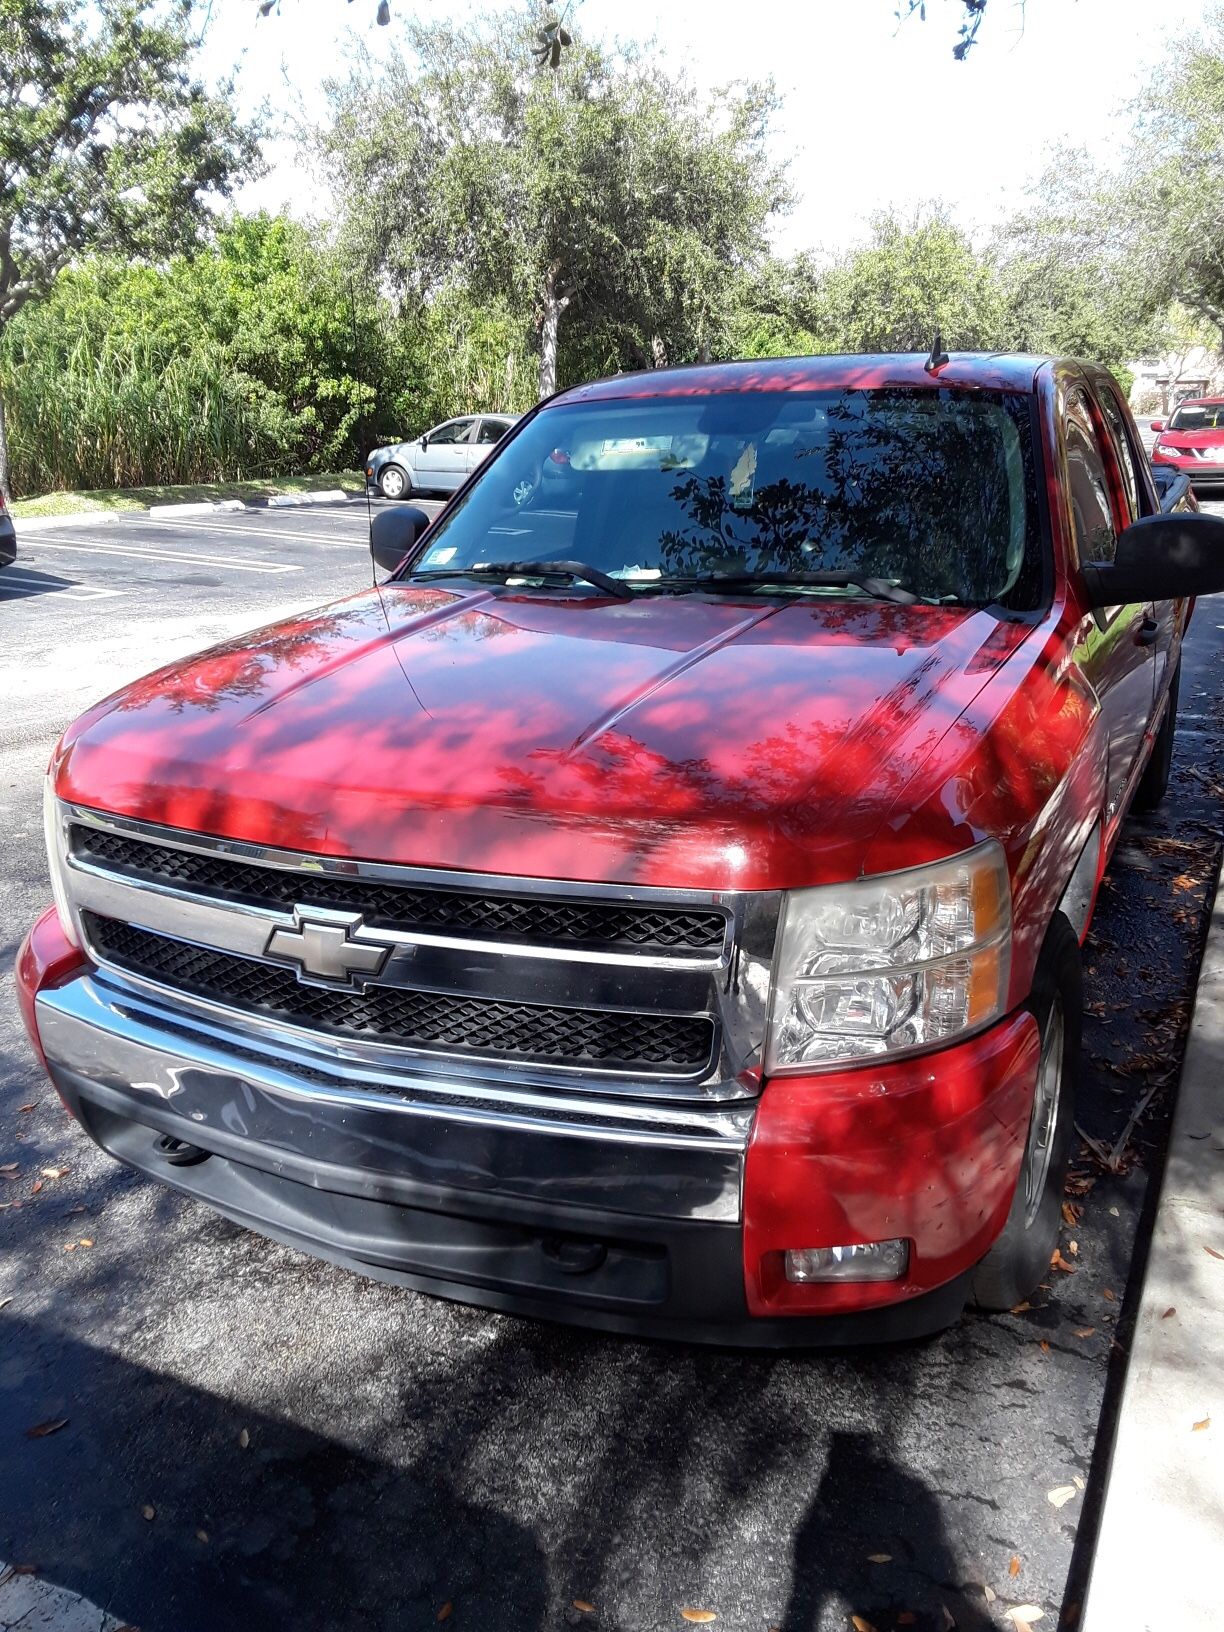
(929, 490)
(1198, 416)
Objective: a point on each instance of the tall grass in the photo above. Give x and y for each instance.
(124, 411)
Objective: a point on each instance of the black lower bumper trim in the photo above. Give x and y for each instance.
(641, 1277)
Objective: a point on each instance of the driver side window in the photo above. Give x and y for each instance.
(455, 430)
(1092, 513)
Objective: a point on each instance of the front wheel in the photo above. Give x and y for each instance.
(393, 482)
(1020, 1258)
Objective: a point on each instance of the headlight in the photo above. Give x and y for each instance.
(892, 964)
(55, 833)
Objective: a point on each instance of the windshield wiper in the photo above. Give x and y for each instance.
(880, 589)
(576, 571)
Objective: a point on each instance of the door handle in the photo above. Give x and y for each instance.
(1147, 632)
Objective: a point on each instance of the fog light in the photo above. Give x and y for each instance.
(871, 1261)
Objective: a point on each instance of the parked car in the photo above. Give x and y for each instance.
(1193, 441)
(661, 909)
(436, 461)
(8, 536)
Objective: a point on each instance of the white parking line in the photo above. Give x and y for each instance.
(178, 557)
(264, 532)
(26, 583)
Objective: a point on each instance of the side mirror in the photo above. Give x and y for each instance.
(394, 532)
(423, 439)
(1158, 426)
(1161, 558)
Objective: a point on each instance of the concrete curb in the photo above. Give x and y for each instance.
(1160, 1548)
(200, 507)
(28, 1604)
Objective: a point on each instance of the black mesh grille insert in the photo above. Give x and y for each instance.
(427, 1020)
(530, 919)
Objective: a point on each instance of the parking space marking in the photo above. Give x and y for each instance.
(176, 557)
(27, 582)
(267, 532)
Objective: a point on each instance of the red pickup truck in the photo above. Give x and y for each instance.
(658, 903)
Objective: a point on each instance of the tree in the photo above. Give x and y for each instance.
(603, 194)
(911, 279)
(106, 141)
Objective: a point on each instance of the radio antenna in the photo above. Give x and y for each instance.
(365, 481)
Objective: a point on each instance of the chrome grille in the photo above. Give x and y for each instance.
(485, 982)
(604, 1039)
(397, 906)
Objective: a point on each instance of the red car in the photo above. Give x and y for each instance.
(658, 904)
(1193, 441)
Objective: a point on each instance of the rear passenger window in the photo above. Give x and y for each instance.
(1116, 421)
(1095, 539)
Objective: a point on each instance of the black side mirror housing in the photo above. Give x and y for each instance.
(393, 533)
(423, 439)
(1160, 558)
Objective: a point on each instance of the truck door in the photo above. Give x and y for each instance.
(1117, 650)
(1167, 646)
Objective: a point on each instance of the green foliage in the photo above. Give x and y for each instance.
(107, 144)
(604, 192)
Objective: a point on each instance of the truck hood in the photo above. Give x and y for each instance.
(693, 741)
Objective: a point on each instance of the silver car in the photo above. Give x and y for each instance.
(436, 461)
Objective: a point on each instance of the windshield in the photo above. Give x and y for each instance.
(928, 490)
(1198, 416)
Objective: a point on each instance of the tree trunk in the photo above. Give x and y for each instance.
(4, 467)
(553, 305)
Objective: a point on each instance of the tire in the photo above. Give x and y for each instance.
(1020, 1258)
(1154, 783)
(394, 482)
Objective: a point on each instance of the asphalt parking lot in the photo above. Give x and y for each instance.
(255, 1439)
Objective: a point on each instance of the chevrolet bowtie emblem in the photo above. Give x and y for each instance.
(324, 948)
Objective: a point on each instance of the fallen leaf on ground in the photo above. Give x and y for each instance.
(22, 1569)
(1060, 1495)
(907, 1618)
(40, 1430)
(584, 1606)
(1013, 1567)
(1168, 1312)
(55, 1172)
(86, 1241)
(32, 1107)
(1199, 1426)
(36, 1187)
(1108, 1295)
(1079, 1483)
(701, 1616)
(879, 1558)
(860, 1625)
(1025, 1614)
(1059, 1262)
(1073, 1248)
(71, 1247)
(1020, 1308)
(148, 1511)
(989, 1593)
(1044, 1346)
(9, 1167)
(1070, 1213)
(4, 1302)
(1213, 1252)
(78, 1209)
(244, 1439)
(202, 1535)
(1086, 1331)
(445, 1612)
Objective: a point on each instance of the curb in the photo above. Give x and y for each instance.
(32, 1605)
(197, 507)
(1160, 1548)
